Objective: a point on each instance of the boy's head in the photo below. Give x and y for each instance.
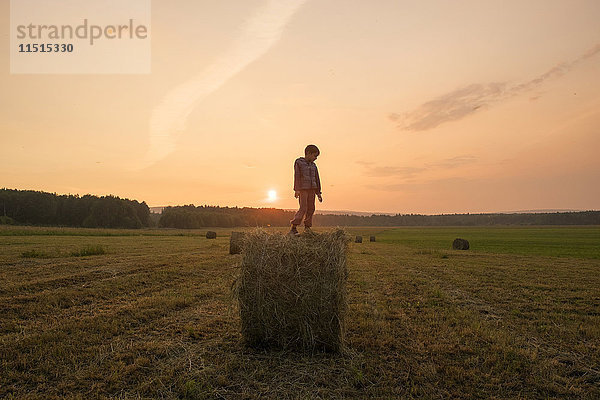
(311, 152)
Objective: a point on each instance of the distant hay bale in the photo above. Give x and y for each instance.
(358, 239)
(235, 242)
(211, 235)
(4, 220)
(460, 244)
(372, 238)
(291, 290)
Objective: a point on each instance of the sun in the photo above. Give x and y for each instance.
(272, 195)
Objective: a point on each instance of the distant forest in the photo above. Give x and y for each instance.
(31, 207)
(206, 216)
(40, 208)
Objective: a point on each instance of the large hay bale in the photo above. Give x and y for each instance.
(235, 242)
(372, 238)
(358, 239)
(292, 290)
(211, 235)
(460, 244)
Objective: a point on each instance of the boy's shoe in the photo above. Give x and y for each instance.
(293, 231)
(308, 231)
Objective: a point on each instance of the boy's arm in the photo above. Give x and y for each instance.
(318, 180)
(296, 176)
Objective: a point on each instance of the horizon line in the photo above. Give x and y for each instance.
(368, 213)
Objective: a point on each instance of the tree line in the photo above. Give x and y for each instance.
(190, 216)
(41, 208)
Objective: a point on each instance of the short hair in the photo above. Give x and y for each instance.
(311, 148)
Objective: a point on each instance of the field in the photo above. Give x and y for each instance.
(91, 313)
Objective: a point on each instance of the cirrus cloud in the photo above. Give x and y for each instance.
(260, 33)
(470, 99)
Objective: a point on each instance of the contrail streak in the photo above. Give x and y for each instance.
(258, 35)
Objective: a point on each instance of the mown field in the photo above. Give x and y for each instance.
(517, 316)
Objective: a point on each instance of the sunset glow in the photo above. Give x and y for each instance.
(416, 107)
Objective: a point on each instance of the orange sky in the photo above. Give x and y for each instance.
(422, 107)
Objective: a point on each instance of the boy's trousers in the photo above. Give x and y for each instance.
(307, 208)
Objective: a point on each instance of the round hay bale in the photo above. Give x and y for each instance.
(372, 238)
(460, 244)
(291, 290)
(211, 235)
(235, 242)
(358, 239)
(4, 220)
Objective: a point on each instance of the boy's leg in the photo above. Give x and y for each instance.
(302, 200)
(310, 208)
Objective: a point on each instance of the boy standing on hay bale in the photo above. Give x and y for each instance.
(307, 185)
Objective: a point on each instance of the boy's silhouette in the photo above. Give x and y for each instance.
(307, 185)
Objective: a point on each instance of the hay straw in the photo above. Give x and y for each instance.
(236, 242)
(292, 290)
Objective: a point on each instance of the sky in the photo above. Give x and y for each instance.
(417, 107)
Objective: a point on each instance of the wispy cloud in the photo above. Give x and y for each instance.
(453, 162)
(467, 100)
(406, 172)
(385, 171)
(379, 171)
(451, 106)
(412, 186)
(258, 35)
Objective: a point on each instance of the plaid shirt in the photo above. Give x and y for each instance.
(306, 175)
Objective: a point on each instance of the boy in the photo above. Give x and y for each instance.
(307, 185)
